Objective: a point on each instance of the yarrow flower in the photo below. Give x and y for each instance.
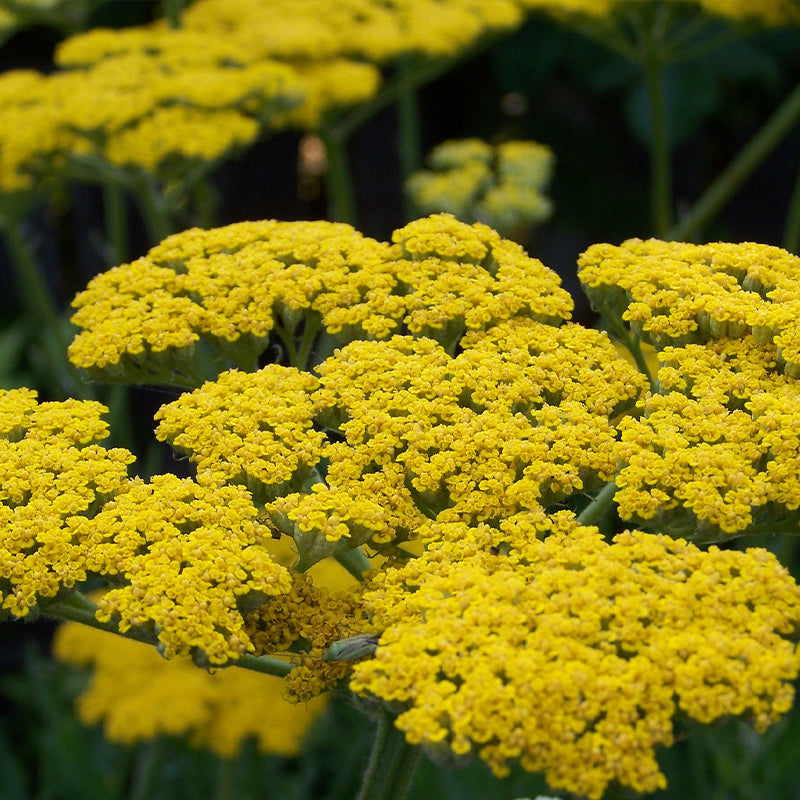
(502, 186)
(54, 480)
(519, 418)
(672, 293)
(711, 453)
(708, 453)
(539, 641)
(423, 411)
(189, 560)
(154, 105)
(231, 288)
(137, 696)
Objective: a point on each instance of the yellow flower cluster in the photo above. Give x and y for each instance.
(540, 641)
(136, 695)
(189, 558)
(231, 287)
(303, 624)
(673, 293)
(54, 478)
(161, 104)
(501, 186)
(713, 453)
(372, 30)
(768, 12)
(250, 428)
(520, 417)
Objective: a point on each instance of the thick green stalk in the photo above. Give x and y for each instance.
(660, 149)
(406, 80)
(225, 783)
(75, 607)
(601, 503)
(408, 129)
(354, 561)
(391, 765)
(172, 12)
(791, 230)
(266, 664)
(116, 221)
(149, 758)
(154, 208)
(41, 309)
(338, 179)
(743, 165)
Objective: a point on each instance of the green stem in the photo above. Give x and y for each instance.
(286, 336)
(408, 129)
(145, 770)
(338, 179)
(393, 90)
(392, 763)
(311, 326)
(116, 221)
(660, 150)
(266, 664)
(601, 503)
(75, 607)
(154, 208)
(354, 561)
(751, 155)
(172, 12)
(791, 231)
(633, 346)
(41, 309)
(225, 779)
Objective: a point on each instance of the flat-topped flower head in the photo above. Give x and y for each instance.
(54, 478)
(136, 695)
(501, 186)
(540, 642)
(145, 106)
(767, 12)
(521, 417)
(250, 428)
(188, 559)
(672, 293)
(712, 454)
(202, 301)
(470, 277)
(379, 31)
(391, 434)
(213, 296)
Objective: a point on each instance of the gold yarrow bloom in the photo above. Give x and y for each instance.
(424, 411)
